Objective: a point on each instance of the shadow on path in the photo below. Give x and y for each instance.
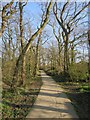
(51, 101)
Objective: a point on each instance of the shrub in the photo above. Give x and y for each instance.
(79, 71)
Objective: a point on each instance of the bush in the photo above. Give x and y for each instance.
(79, 71)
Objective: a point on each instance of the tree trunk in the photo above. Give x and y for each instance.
(26, 48)
(59, 61)
(72, 54)
(66, 57)
(89, 53)
(9, 44)
(37, 55)
(22, 44)
(30, 62)
(5, 17)
(89, 40)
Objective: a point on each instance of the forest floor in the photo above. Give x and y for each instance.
(52, 102)
(17, 104)
(78, 93)
(80, 99)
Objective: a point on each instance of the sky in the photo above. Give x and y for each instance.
(46, 0)
(32, 11)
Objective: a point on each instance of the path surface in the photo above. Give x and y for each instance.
(51, 101)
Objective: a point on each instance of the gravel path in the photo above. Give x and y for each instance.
(51, 101)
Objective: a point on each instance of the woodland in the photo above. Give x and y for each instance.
(55, 39)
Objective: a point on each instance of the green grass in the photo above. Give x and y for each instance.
(80, 87)
(17, 104)
(85, 88)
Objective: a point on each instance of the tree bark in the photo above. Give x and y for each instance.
(26, 48)
(66, 56)
(22, 44)
(5, 16)
(59, 46)
(89, 53)
(89, 40)
(37, 55)
(66, 29)
(72, 54)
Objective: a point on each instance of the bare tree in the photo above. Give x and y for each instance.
(7, 12)
(66, 22)
(58, 37)
(21, 6)
(26, 48)
(89, 39)
(37, 55)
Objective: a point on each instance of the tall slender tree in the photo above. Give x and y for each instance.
(26, 48)
(21, 6)
(89, 39)
(37, 55)
(66, 22)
